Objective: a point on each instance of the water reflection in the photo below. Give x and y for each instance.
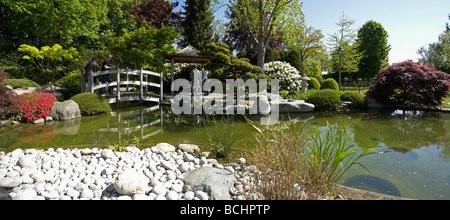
(401, 131)
(128, 123)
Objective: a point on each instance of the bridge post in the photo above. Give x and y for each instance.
(141, 92)
(128, 80)
(118, 84)
(93, 84)
(146, 86)
(82, 81)
(161, 99)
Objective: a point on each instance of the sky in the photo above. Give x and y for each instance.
(410, 24)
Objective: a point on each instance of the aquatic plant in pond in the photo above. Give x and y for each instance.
(221, 134)
(315, 163)
(329, 155)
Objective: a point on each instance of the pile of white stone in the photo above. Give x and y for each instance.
(156, 173)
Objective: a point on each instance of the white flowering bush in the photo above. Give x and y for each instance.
(167, 71)
(289, 76)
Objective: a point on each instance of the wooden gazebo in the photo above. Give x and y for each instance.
(186, 55)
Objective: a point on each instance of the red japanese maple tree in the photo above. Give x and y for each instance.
(410, 84)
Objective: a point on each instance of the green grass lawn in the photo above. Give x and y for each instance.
(361, 90)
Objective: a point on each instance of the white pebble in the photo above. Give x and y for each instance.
(160, 190)
(172, 195)
(189, 195)
(87, 194)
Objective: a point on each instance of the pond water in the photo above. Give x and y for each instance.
(416, 166)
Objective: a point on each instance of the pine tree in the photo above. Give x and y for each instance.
(197, 24)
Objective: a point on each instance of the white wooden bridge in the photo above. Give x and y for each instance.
(121, 88)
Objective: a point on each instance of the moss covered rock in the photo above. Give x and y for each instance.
(92, 103)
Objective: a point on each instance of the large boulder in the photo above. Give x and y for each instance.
(215, 182)
(189, 148)
(21, 91)
(293, 106)
(131, 182)
(67, 110)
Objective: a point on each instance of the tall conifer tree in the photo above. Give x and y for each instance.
(197, 24)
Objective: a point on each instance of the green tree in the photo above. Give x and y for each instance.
(313, 68)
(373, 44)
(307, 40)
(262, 18)
(116, 24)
(437, 54)
(50, 61)
(225, 65)
(198, 24)
(145, 47)
(49, 22)
(345, 39)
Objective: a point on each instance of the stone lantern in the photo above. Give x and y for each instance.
(305, 80)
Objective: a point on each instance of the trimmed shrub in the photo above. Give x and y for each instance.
(313, 84)
(324, 100)
(410, 84)
(355, 98)
(33, 106)
(330, 84)
(21, 83)
(91, 103)
(72, 84)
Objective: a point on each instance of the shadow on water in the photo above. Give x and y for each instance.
(372, 183)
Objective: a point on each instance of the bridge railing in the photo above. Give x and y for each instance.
(143, 82)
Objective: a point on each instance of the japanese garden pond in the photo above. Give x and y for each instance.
(417, 165)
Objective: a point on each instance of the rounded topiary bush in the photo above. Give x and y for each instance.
(355, 98)
(72, 84)
(330, 84)
(324, 100)
(91, 103)
(313, 84)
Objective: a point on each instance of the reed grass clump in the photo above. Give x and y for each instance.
(279, 172)
(293, 165)
(221, 133)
